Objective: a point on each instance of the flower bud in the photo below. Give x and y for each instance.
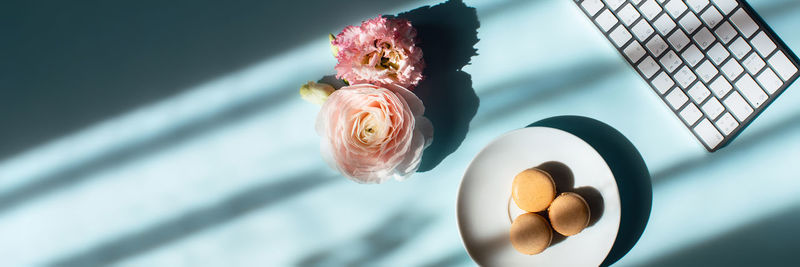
(316, 93)
(334, 48)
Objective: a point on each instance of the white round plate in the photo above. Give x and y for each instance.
(483, 198)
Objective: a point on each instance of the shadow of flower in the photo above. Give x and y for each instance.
(447, 34)
(380, 242)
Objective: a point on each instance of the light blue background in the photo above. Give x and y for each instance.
(251, 189)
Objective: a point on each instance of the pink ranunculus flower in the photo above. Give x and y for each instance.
(373, 133)
(380, 51)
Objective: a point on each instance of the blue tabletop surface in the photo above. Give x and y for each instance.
(172, 134)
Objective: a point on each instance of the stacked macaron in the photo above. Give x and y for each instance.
(534, 190)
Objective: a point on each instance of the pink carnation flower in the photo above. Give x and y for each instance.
(373, 133)
(381, 51)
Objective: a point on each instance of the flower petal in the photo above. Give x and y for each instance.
(380, 51)
(414, 103)
(412, 158)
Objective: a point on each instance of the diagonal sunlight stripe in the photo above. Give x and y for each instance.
(721, 201)
(152, 120)
(253, 197)
(225, 154)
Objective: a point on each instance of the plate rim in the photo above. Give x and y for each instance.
(495, 140)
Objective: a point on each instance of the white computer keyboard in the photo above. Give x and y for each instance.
(716, 64)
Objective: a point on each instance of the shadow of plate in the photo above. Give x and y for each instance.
(630, 172)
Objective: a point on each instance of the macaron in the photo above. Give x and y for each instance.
(533, 190)
(569, 214)
(530, 234)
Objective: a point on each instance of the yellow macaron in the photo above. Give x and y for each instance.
(530, 234)
(569, 214)
(533, 190)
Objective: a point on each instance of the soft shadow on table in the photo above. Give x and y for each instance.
(188, 223)
(455, 258)
(771, 241)
(447, 34)
(630, 172)
(377, 243)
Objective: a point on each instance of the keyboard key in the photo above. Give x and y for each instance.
(690, 114)
(782, 65)
(606, 20)
(628, 14)
(685, 76)
(642, 30)
(726, 6)
(720, 87)
(662, 82)
(711, 16)
(731, 69)
(690, 23)
(754, 63)
(751, 91)
(708, 134)
(676, 98)
(712, 108)
(614, 4)
(679, 40)
(675, 8)
(718, 53)
(769, 81)
(670, 61)
(650, 9)
(634, 51)
(692, 55)
(736, 104)
(725, 32)
(727, 124)
(744, 22)
(592, 6)
(648, 67)
(620, 36)
(706, 70)
(739, 48)
(699, 92)
(697, 5)
(704, 38)
(656, 45)
(664, 24)
(763, 44)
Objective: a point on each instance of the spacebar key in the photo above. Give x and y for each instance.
(708, 133)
